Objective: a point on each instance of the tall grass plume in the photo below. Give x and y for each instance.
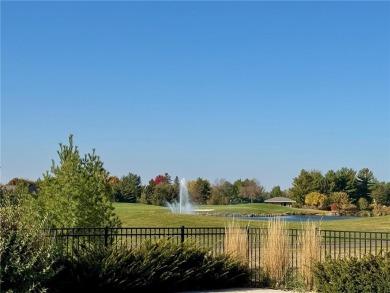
(236, 242)
(275, 252)
(309, 244)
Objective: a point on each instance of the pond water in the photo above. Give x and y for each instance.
(300, 218)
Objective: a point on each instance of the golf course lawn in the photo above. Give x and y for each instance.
(140, 215)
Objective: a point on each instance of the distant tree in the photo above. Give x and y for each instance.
(345, 181)
(316, 199)
(238, 199)
(222, 192)
(147, 192)
(306, 182)
(364, 182)
(251, 190)
(363, 204)
(159, 179)
(31, 186)
(318, 181)
(113, 180)
(330, 179)
(160, 190)
(381, 193)
(191, 185)
(310, 198)
(276, 192)
(231, 191)
(166, 178)
(164, 193)
(238, 183)
(13, 181)
(129, 188)
(20, 193)
(18, 181)
(341, 199)
(76, 193)
(176, 185)
(199, 190)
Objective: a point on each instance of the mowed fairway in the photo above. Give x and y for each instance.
(140, 215)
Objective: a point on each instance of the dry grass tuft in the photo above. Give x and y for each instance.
(309, 242)
(275, 251)
(236, 241)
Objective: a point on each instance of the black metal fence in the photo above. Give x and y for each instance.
(330, 243)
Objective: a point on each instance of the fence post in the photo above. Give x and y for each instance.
(249, 244)
(182, 234)
(106, 236)
(318, 234)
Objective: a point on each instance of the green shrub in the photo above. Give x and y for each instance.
(158, 266)
(368, 274)
(26, 261)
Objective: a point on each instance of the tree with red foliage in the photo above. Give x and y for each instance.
(162, 179)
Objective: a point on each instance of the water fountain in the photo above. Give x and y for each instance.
(183, 206)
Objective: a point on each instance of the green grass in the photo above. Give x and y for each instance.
(258, 209)
(139, 215)
(371, 224)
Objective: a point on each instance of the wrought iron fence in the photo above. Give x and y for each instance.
(331, 243)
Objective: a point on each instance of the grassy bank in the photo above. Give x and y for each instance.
(139, 215)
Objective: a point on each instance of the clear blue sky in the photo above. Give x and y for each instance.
(217, 90)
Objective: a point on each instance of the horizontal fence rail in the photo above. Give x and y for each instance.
(331, 243)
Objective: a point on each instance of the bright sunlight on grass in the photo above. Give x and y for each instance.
(139, 215)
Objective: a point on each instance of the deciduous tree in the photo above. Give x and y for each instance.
(341, 199)
(222, 192)
(166, 178)
(199, 190)
(251, 190)
(164, 193)
(316, 199)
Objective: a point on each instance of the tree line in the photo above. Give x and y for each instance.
(79, 191)
(163, 189)
(342, 189)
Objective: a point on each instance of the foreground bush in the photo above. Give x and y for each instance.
(158, 266)
(25, 260)
(369, 274)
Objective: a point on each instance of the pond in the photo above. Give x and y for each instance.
(300, 218)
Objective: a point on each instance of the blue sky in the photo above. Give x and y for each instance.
(217, 90)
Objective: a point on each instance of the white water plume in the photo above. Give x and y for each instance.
(183, 205)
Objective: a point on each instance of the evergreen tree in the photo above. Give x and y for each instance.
(364, 183)
(77, 192)
(129, 188)
(381, 193)
(147, 192)
(306, 182)
(276, 192)
(345, 181)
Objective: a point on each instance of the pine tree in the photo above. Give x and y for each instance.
(77, 192)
